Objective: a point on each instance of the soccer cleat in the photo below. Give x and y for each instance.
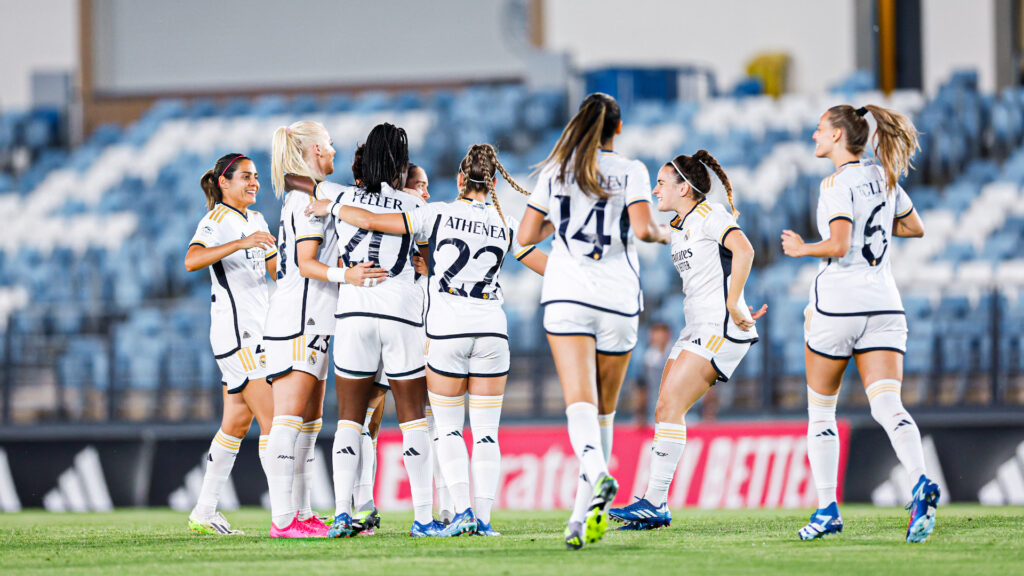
(428, 530)
(368, 532)
(314, 526)
(574, 536)
(295, 529)
(637, 525)
(365, 519)
(484, 529)
(216, 525)
(824, 521)
(596, 522)
(922, 510)
(463, 523)
(343, 527)
(644, 512)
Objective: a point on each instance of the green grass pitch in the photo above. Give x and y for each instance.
(968, 540)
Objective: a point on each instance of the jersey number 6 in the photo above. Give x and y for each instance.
(869, 231)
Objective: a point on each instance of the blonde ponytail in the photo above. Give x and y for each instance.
(288, 152)
(895, 142)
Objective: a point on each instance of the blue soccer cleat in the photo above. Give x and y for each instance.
(428, 530)
(484, 529)
(343, 527)
(629, 526)
(596, 521)
(644, 512)
(922, 510)
(824, 521)
(463, 523)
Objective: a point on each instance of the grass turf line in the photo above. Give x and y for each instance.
(968, 540)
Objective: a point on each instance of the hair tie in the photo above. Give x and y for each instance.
(471, 179)
(862, 111)
(229, 164)
(685, 179)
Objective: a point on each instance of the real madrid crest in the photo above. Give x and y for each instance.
(686, 235)
(312, 358)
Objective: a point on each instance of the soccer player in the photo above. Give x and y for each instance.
(467, 332)
(235, 243)
(382, 322)
(595, 202)
(855, 308)
(301, 321)
(713, 258)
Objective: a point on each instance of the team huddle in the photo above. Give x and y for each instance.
(409, 293)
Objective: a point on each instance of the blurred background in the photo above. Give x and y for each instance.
(111, 110)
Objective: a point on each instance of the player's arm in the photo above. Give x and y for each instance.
(394, 223)
(311, 267)
(838, 244)
(909, 225)
(200, 256)
(644, 225)
(535, 259)
(272, 266)
(534, 227)
(736, 242)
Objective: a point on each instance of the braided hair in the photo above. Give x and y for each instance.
(478, 169)
(385, 157)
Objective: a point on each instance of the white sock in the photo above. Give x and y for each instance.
(823, 445)
(280, 467)
(450, 421)
(367, 466)
(607, 424)
(346, 459)
(887, 409)
(418, 465)
(219, 462)
(302, 479)
(584, 493)
(669, 443)
(484, 415)
(444, 498)
(585, 436)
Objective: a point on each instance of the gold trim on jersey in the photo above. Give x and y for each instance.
(840, 215)
(408, 222)
(726, 231)
(703, 209)
(299, 349)
(536, 206)
(523, 252)
(714, 344)
(906, 213)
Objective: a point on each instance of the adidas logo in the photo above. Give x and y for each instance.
(321, 489)
(486, 440)
(454, 433)
(587, 448)
(8, 495)
(410, 452)
(310, 322)
(902, 423)
(347, 450)
(826, 432)
(1006, 488)
(81, 488)
(897, 489)
(185, 496)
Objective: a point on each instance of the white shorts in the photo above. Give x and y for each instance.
(247, 363)
(481, 357)
(706, 341)
(362, 343)
(839, 337)
(306, 353)
(614, 333)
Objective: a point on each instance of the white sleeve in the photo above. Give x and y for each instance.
(719, 224)
(837, 201)
(418, 222)
(207, 233)
(264, 227)
(518, 250)
(308, 227)
(638, 188)
(904, 206)
(540, 198)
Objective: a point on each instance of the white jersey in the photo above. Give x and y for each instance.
(468, 242)
(593, 261)
(861, 282)
(397, 297)
(238, 300)
(303, 305)
(705, 267)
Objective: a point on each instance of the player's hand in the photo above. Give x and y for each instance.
(792, 244)
(365, 274)
(419, 264)
(257, 239)
(741, 317)
(760, 313)
(664, 234)
(318, 208)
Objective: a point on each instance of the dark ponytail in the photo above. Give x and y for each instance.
(357, 165)
(385, 157)
(226, 167)
(691, 169)
(595, 122)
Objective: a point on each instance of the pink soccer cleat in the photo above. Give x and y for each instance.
(294, 530)
(314, 527)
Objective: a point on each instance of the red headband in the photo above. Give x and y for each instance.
(229, 165)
